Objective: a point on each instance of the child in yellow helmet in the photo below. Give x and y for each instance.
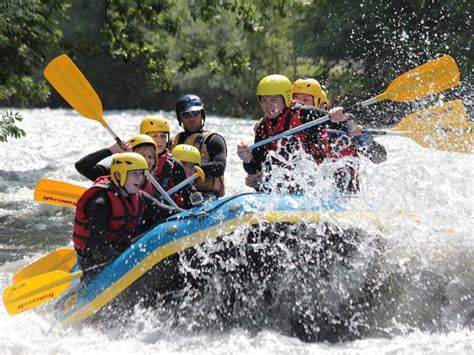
(168, 171)
(111, 213)
(189, 156)
(90, 167)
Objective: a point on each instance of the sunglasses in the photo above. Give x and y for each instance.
(190, 114)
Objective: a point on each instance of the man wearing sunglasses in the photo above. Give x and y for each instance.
(192, 116)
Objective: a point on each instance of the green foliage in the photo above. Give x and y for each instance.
(8, 126)
(383, 36)
(147, 53)
(27, 35)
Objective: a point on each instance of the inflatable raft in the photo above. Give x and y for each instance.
(153, 265)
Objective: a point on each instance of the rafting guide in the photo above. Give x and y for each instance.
(191, 115)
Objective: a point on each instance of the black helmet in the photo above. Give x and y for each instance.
(189, 103)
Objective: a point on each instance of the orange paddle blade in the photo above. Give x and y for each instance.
(430, 78)
(62, 259)
(73, 86)
(58, 193)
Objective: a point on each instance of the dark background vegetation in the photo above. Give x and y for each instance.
(145, 54)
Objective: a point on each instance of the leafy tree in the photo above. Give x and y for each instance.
(8, 127)
(376, 37)
(27, 35)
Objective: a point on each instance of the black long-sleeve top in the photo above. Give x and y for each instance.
(99, 211)
(217, 148)
(89, 165)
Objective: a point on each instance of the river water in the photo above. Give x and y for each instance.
(426, 198)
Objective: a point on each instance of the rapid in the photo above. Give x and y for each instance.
(425, 199)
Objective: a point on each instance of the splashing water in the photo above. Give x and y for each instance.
(407, 286)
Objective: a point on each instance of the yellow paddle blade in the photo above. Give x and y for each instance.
(58, 193)
(445, 127)
(430, 78)
(73, 86)
(199, 173)
(33, 292)
(62, 259)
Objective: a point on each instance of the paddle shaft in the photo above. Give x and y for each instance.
(149, 176)
(375, 132)
(307, 125)
(429, 78)
(182, 184)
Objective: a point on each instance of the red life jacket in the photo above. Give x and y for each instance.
(147, 187)
(163, 173)
(164, 170)
(122, 222)
(288, 119)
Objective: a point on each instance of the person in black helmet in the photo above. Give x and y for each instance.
(192, 116)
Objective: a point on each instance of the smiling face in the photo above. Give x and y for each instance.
(149, 153)
(272, 106)
(192, 121)
(134, 181)
(161, 140)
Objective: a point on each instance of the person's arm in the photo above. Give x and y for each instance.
(258, 154)
(89, 167)
(153, 213)
(217, 148)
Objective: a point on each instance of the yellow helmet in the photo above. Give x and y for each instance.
(140, 139)
(122, 163)
(187, 153)
(154, 124)
(311, 87)
(276, 84)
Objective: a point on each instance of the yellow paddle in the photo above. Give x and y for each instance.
(444, 127)
(32, 292)
(62, 259)
(58, 193)
(430, 78)
(73, 86)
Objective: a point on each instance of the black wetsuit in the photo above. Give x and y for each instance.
(217, 148)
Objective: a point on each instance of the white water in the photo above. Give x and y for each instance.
(426, 195)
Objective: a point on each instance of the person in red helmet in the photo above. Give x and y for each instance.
(191, 115)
